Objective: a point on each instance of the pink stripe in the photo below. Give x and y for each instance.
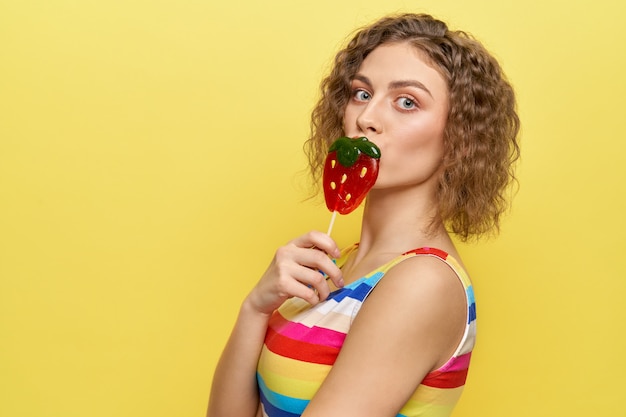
(459, 363)
(315, 335)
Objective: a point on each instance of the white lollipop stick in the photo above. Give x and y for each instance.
(332, 222)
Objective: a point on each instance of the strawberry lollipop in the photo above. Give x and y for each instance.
(350, 171)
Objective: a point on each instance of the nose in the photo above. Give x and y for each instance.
(368, 121)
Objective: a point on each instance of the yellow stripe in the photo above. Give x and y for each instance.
(434, 402)
(460, 271)
(430, 410)
(425, 395)
(292, 308)
(291, 377)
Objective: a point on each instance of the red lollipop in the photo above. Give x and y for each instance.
(350, 171)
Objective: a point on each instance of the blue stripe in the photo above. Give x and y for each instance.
(362, 289)
(471, 313)
(373, 280)
(471, 304)
(274, 411)
(280, 403)
(470, 295)
(339, 294)
(358, 293)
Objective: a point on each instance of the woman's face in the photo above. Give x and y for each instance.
(400, 102)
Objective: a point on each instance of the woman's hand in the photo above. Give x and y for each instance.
(295, 272)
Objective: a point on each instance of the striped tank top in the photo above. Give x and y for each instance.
(302, 343)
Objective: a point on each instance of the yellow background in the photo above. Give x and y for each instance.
(150, 163)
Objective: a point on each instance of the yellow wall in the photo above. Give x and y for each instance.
(150, 157)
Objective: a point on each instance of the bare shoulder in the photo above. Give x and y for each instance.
(409, 325)
(421, 298)
(422, 277)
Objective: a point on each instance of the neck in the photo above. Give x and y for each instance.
(395, 221)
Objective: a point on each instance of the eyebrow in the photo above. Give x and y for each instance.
(396, 84)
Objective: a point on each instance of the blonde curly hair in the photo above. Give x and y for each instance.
(480, 137)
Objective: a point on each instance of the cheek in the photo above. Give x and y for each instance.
(424, 135)
(348, 117)
(423, 146)
(351, 114)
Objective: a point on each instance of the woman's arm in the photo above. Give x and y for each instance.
(234, 389)
(294, 272)
(410, 325)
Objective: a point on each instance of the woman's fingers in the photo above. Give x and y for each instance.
(301, 267)
(309, 285)
(318, 240)
(297, 270)
(319, 246)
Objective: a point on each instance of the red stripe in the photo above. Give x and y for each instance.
(298, 331)
(438, 379)
(429, 251)
(302, 351)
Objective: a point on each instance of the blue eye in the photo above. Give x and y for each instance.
(406, 103)
(362, 95)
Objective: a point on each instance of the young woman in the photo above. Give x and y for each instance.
(389, 329)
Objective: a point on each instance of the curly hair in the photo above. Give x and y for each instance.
(480, 136)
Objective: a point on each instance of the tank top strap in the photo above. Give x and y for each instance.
(376, 275)
(449, 260)
(452, 262)
(437, 253)
(345, 254)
